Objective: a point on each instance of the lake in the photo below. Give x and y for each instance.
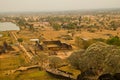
(8, 26)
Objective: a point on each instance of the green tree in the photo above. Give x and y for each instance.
(74, 58)
(55, 62)
(81, 43)
(114, 41)
(20, 40)
(56, 26)
(43, 60)
(21, 22)
(98, 57)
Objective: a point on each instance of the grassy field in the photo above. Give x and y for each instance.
(11, 61)
(6, 37)
(8, 62)
(34, 74)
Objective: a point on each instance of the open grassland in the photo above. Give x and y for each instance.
(10, 62)
(6, 37)
(34, 74)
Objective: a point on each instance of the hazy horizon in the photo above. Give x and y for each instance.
(55, 5)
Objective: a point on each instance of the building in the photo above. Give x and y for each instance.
(55, 45)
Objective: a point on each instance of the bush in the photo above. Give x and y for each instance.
(56, 26)
(84, 44)
(75, 57)
(114, 41)
(55, 62)
(20, 40)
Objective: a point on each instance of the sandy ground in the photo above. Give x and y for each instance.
(64, 55)
(4, 56)
(50, 34)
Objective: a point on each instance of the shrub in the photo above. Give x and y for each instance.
(55, 62)
(20, 40)
(114, 41)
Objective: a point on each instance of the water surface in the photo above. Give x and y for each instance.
(8, 26)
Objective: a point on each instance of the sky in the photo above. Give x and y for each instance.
(55, 5)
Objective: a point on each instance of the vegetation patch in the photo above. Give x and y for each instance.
(70, 69)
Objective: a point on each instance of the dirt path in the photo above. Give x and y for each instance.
(21, 46)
